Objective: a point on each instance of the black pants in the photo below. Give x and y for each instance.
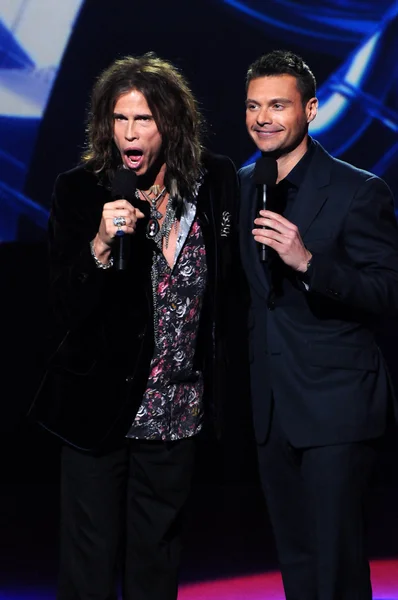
(315, 499)
(121, 513)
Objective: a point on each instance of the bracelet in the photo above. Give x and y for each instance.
(98, 263)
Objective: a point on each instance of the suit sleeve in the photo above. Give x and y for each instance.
(364, 272)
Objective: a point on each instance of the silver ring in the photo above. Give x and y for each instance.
(119, 221)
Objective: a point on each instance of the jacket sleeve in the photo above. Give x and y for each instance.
(365, 274)
(235, 294)
(75, 282)
(227, 199)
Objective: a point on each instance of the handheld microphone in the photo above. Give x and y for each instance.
(123, 187)
(265, 173)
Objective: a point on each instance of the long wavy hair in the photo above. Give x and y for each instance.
(175, 111)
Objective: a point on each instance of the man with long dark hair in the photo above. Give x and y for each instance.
(132, 379)
(322, 264)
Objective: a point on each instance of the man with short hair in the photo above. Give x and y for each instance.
(132, 380)
(320, 389)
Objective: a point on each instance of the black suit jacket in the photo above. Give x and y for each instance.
(101, 321)
(315, 351)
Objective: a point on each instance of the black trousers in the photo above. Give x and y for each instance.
(121, 515)
(316, 503)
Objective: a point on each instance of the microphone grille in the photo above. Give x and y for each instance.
(124, 184)
(266, 170)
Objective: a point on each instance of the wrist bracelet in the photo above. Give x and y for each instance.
(98, 263)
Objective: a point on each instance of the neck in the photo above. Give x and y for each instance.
(288, 161)
(150, 178)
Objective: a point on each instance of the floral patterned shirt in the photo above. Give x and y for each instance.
(172, 408)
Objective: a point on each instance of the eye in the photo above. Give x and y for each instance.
(278, 106)
(251, 106)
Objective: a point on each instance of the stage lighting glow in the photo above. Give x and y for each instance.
(268, 586)
(263, 586)
(331, 110)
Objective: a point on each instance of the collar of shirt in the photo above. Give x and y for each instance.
(187, 217)
(297, 174)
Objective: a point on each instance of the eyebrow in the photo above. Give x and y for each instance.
(139, 116)
(272, 101)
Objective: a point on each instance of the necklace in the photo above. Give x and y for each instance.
(152, 228)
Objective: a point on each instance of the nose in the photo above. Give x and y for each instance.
(264, 116)
(130, 132)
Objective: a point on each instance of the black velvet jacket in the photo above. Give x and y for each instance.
(102, 320)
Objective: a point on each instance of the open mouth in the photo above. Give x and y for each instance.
(133, 158)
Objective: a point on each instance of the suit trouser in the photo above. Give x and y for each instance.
(121, 515)
(315, 498)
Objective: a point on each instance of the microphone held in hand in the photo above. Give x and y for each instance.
(265, 174)
(124, 184)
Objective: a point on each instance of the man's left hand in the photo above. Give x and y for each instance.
(284, 237)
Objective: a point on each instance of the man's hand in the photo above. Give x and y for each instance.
(107, 230)
(284, 237)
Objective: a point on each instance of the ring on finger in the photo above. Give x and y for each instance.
(119, 221)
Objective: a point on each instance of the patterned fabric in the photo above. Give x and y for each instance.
(172, 404)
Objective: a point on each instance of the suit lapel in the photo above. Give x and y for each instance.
(313, 192)
(206, 218)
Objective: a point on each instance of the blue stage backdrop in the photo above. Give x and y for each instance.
(51, 52)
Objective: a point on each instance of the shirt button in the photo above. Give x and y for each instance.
(173, 305)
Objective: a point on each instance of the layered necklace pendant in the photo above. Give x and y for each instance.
(153, 227)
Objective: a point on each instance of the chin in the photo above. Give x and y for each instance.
(270, 150)
(140, 171)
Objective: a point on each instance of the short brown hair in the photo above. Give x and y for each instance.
(284, 62)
